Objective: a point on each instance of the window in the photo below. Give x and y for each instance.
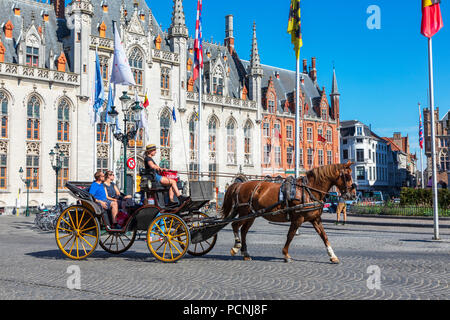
(165, 81)
(104, 69)
(310, 157)
(320, 157)
(231, 142)
(324, 114)
(278, 155)
(137, 67)
(63, 121)
(345, 154)
(3, 172)
(359, 131)
(329, 136)
(218, 85)
(445, 161)
(309, 134)
(212, 131)
(344, 141)
(266, 159)
(33, 171)
(32, 56)
(102, 164)
(329, 157)
(3, 115)
(289, 155)
(248, 143)
(63, 176)
(33, 119)
(271, 104)
(277, 130)
(193, 139)
(289, 132)
(266, 129)
(165, 142)
(360, 155)
(102, 132)
(300, 160)
(360, 173)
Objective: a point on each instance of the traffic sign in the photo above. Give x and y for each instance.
(131, 163)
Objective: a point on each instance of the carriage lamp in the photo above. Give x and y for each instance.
(56, 160)
(128, 133)
(27, 182)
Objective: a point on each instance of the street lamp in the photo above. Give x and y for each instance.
(56, 160)
(27, 183)
(128, 135)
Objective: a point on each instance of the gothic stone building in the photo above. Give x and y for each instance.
(47, 71)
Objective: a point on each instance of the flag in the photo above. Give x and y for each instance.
(277, 133)
(321, 138)
(420, 130)
(111, 96)
(121, 71)
(431, 18)
(294, 26)
(198, 46)
(99, 96)
(146, 102)
(173, 114)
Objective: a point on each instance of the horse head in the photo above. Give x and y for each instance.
(344, 182)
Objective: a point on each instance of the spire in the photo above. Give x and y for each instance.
(334, 86)
(178, 26)
(255, 62)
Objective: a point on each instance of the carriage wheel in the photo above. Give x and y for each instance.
(168, 237)
(77, 232)
(201, 248)
(117, 242)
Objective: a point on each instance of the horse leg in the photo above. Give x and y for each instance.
(318, 226)
(245, 227)
(237, 241)
(295, 224)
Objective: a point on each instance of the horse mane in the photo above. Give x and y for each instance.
(321, 173)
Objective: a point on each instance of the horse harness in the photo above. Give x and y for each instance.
(287, 193)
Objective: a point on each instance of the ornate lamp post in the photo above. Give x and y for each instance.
(128, 135)
(27, 183)
(56, 159)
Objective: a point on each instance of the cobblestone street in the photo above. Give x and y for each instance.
(411, 265)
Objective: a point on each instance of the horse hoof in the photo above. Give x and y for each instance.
(334, 260)
(288, 260)
(233, 251)
(247, 259)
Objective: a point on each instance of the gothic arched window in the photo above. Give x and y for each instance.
(137, 65)
(33, 118)
(63, 121)
(231, 142)
(164, 124)
(4, 115)
(248, 133)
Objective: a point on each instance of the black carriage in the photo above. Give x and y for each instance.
(170, 231)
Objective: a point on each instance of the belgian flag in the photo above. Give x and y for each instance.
(294, 26)
(431, 18)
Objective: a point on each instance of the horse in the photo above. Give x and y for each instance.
(243, 198)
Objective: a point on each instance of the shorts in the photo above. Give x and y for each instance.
(158, 178)
(108, 204)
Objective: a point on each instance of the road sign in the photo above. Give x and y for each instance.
(131, 163)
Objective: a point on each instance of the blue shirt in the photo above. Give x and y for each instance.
(98, 191)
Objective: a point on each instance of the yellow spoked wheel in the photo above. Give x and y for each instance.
(168, 238)
(77, 232)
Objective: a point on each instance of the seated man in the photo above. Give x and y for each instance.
(97, 189)
(150, 164)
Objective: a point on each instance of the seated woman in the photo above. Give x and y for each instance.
(112, 192)
(151, 165)
(97, 189)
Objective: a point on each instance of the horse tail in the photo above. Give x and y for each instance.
(229, 200)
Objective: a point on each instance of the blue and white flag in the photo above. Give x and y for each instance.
(111, 96)
(173, 114)
(99, 96)
(121, 71)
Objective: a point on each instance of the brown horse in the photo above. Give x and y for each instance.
(241, 197)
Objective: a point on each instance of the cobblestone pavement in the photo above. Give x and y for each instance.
(411, 265)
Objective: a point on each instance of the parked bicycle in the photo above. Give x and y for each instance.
(46, 218)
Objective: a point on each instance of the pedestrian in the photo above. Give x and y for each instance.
(342, 207)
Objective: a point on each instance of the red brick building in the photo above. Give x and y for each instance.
(319, 117)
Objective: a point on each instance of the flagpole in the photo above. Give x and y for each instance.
(297, 118)
(199, 146)
(433, 145)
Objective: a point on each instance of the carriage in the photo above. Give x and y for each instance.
(169, 230)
